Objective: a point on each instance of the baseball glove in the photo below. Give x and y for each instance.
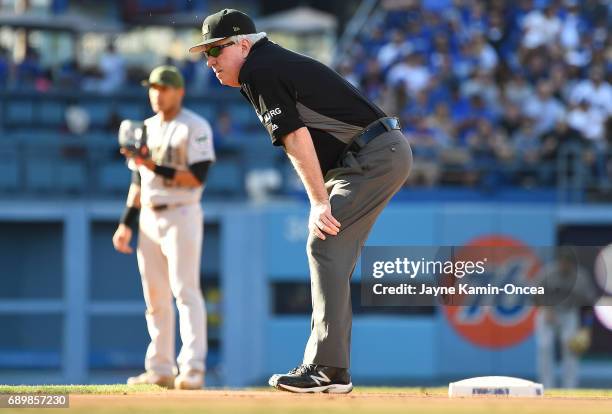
(580, 342)
(133, 139)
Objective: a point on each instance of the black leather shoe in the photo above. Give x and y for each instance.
(314, 378)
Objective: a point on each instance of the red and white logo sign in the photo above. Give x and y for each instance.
(508, 320)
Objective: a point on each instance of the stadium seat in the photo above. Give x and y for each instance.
(99, 112)
(9, 176)
(130, 111)
(101, 146)
(40, 138)
(225, 179)
(243, 114)
(19, 112)
(40, 146)
(257, 152)
(72, 177)
(9, 168)
(114, 177)
(41, 175)
(50, 113)
(101, 138)
(203, 109)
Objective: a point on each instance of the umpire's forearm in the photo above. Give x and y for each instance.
(301, 152)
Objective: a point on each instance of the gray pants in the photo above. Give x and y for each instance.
(566, 325)
(359, 189)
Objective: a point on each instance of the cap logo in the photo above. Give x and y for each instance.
(205, 29)
(236, 29)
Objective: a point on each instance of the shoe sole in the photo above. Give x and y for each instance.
(167, 386)
(188, 387)
(326, 389)
(185, 386)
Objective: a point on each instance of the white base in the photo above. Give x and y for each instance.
(501, 386)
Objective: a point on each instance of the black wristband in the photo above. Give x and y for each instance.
(164, 171)
(200, 170)
(129, 215)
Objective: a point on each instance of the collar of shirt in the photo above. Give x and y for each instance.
(256, 46)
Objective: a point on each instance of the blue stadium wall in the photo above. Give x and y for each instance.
(72, 305)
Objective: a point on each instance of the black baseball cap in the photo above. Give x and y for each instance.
(225, 23)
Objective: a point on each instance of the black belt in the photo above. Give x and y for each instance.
(378, 127)
(162, 207)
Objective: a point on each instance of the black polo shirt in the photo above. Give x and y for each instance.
(290, 91)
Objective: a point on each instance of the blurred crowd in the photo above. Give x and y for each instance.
(109, 75)
(493, 92)
(490, 93)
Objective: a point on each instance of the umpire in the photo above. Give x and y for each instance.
(350, 156)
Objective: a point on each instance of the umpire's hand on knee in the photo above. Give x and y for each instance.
(121, 239)
(321, 221)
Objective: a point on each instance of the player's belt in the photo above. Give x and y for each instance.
(375, 129)
(163, 207)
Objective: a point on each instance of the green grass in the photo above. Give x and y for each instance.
(79, 389)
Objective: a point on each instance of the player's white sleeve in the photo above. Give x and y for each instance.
(200, 146)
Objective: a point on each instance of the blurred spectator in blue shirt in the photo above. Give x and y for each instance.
(69, 76)
(417, 108)
(541, 28)
(589, 120)
(596, 90)
(372, 81)
(426, 149)
(483, 84)
(517, 90)
(526, 142)
(562, 135)
(392, 51)
(347, 70)
(112, 67)
(411, 73)
(491, 154)
(465, 61)
(583, 54)
(544, 108)
(572, 25)
(560, 82)
(511, 118)
(497, 33)
(226, 132)
(441, 125)
(536, 65)
(4, 68)
(486, 55)
(29, 69)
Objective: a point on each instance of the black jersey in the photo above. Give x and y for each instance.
(290, 91)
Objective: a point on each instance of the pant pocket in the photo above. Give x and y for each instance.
(375, 147)
(347, 165)
(378, 160)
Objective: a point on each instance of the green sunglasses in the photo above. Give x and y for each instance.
(216, 51)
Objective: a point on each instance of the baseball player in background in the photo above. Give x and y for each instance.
(568, 289)
(350, 156)
(166, 189)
